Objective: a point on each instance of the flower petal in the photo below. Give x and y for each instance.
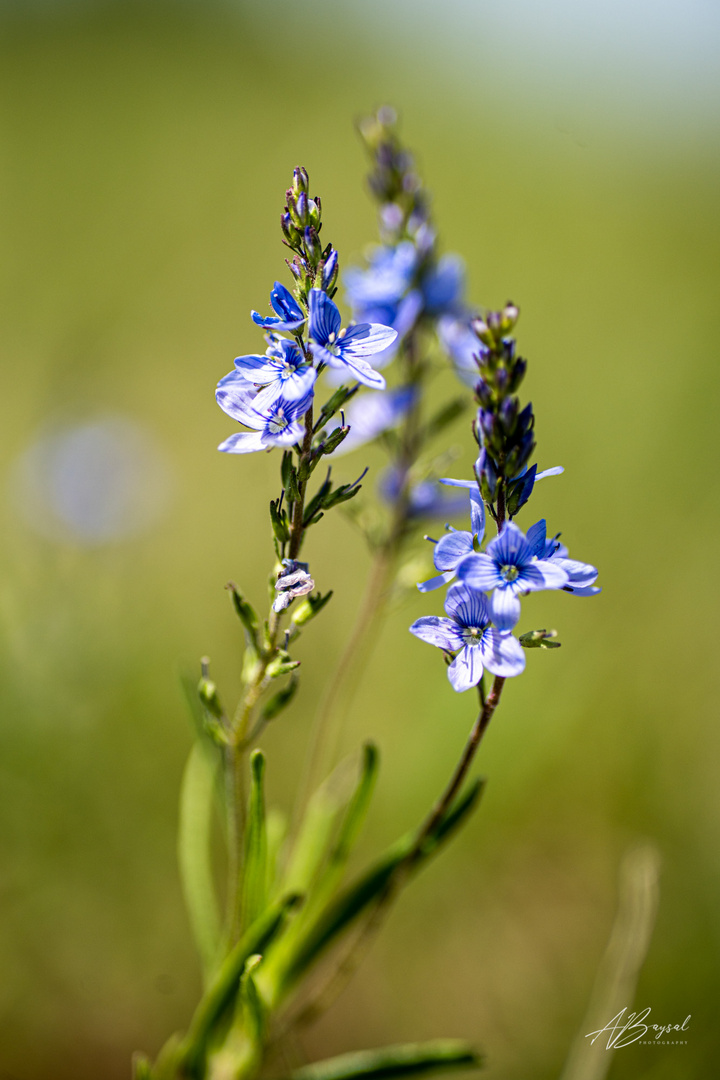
(466, 669)
(584, 590)
(361, 370)
(479, 572)
(541, 574)
(243, 442)
(365, 339)
(505, 608)
(502, 653)
(581, 574)
(510, 547)
(436, 582)
(467, 606)
(450, 549)
(325, 319)
(285, 304)
(236, 397)
(438, 631)
(536, 538)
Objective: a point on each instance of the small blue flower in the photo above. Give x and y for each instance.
(426, 501)
(290, 315)
(581, 576)
(283, 368)
(346, 348)
(468, 633)
(443, 285)
(388, 277)
(452, 549)
(373, 413)
(508, 567)
(462, 346)
(273, 420)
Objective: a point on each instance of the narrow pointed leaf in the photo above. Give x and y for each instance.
(197, 796)
(224, 987)
(410, 1059)
(254, 884)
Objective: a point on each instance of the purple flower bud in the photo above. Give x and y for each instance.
(508, 414)
(487, 423)
(330, 270)
(525, 419)
(502, 379)
(300, 181)
(518, 374)
(301, 210)
(312, 245)
(483, 394)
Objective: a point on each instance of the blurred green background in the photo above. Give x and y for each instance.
(574, 161)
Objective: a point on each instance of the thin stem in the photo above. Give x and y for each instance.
(243, 725)
(474, 739)
(334, 984)
(338, 697)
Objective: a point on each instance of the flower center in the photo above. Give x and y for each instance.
(278, 422)
(509, 572)
(473, 634)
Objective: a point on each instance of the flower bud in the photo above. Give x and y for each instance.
(312, 245)
(508, 414)
(289, 231)
(300, 181)
(330, 270)
(314, 213)
(518, 374)
(482, 330)
(484, 394)
(299, 210)
(509, 317)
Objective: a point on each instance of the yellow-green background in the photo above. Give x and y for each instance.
(145, 151)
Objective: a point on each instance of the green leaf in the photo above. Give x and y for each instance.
(254, 884)
(309, 607)
(409, 1059)
(339, 915)
(539, 639)
(197, 795)
(275, 705)
(224, 987)
(246, 614)
(403, 858)
(141, 1068)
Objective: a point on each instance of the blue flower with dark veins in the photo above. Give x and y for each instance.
(273, 420)
(467, 632)
(346, 348)
(289, 313)
(452, 548)
(509, 568)
(283, 369)
(581, 576)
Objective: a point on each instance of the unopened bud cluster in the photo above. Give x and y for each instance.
(393, 180)
(502, 429)
(312, 266)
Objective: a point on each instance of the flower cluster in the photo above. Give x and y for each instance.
(272, 393)
(483, 607)
(405, 280)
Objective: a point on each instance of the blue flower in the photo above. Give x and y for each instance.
(452, 549)
(581, 576)
(462, 346)
(443, 285)
(386, 280)
(346, 348)
(283, 368)
(426, 501)
(273, 420)
(468, 633)
(373, 413)
(290, 315)
(509, 567)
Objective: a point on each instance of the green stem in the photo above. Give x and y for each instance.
(239, 744)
